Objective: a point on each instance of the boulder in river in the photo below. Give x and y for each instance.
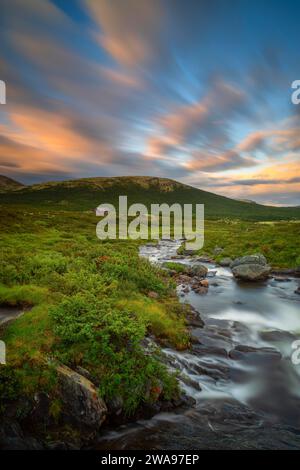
(198, 270)
(251, 272)
(251, 268)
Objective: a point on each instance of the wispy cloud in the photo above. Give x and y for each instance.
(152, 87)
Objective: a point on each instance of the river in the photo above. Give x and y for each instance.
(239, 369)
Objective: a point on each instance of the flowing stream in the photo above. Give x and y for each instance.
(239, 370)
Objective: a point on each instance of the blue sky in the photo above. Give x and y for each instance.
(198, 91)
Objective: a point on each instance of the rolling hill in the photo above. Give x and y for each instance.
(8, 184)
(87, 193)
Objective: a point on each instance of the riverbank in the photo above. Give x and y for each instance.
(93, 304)
(240, 357)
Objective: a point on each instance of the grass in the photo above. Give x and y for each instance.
(178, 267)
(278, 241)
(89, 306)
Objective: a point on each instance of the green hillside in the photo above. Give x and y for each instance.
(8, 184)
(88, 193)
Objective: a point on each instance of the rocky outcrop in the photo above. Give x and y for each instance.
(80, 399)
(251, 268)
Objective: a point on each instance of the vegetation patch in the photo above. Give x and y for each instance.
(89, 307)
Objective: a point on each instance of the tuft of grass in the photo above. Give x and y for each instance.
(178, 267)
(165, 320)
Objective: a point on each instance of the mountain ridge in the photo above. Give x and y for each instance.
(9, 184)
(88, 193)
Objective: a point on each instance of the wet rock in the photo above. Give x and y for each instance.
(251, 272)
(194, 319)
(204, 283)
(297, 291)
(203, 350)
(190, 382)
(200, 290)
(240, 351)
(211, 273)
(183, 279)
(282, 279)
(80, 398)
(194, 339)
(225, 262)
(277, 336)
(198, 270)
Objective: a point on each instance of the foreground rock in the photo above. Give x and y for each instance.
(251, 268)
(80, 398)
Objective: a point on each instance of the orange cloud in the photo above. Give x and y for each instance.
(128, 29)
(46, 141)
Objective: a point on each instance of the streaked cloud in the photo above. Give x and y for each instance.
(152, 87)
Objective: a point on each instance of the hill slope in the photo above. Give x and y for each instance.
(88, 193)
(8, 184)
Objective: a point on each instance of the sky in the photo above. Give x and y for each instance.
(197, 91)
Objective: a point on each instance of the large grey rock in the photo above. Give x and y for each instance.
(251, 272)
(250, 259)
(80, 398)
(251, 268)
(198, 270)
